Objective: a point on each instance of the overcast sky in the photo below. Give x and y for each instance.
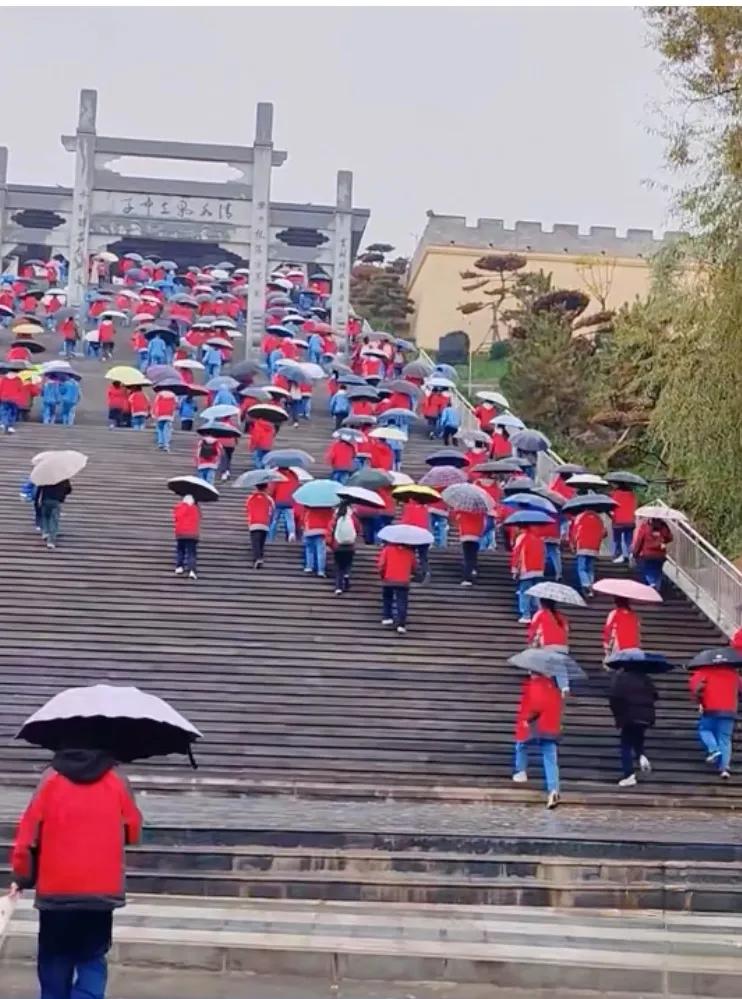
(514, 113)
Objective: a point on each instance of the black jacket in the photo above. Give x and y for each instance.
(632, 698)
(60, 492)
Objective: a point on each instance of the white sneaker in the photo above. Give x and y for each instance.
(628, 781)
(387, 622)
(520, 777)
(50, 544)
(644, 765)
(192, 575)
(307, 569)
(713, 757)
(224, 476)
(524, 620)
(338, 591)
(619, 560)
(553, 800)
(10, 430)
(179, 571)
(401, 630)
(466, 582)
(725, 775)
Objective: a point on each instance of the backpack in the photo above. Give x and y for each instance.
(345, 530)
(207, 451)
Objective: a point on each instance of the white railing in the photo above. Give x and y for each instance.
(696, 567)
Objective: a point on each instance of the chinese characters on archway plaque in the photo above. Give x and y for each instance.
(188, 209)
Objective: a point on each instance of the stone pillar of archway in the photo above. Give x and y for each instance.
(82, 197)
(260, 224)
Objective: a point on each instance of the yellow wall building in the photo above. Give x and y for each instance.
(449, 246)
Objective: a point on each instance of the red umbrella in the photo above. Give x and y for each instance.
(629, 589)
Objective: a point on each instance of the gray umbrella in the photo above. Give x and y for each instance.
(258, 477)
(548, 663)
(557, 592)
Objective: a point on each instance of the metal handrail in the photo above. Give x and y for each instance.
(698, 568)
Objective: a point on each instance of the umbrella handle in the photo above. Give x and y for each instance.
(192, 758)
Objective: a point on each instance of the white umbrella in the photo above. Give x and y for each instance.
(189, 365)
(585, 479)
(401, 479)
(389, 434)
(56, 466)
(107, 257)
(221, 412)
(7, 908)
(357, 494)
(496, 398)
(93, 336)
(654, 512)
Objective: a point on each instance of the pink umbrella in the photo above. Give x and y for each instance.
(629, 589)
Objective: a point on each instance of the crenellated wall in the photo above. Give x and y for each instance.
(449, 246)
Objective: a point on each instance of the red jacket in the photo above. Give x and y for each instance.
(434, 404)
(491, 487)
(396, 564)
(649, 543)
(362, 407)
(259, 509)
(471, 525)
(559, 486)
(186, 519)
(18, 353)
(485, 412)
(118, 397)
(208, 455)
(622, 630)
(164, 405)
(736, 640)
(317, 520)
(11, 389)
(283, 492)
(540, 709)
(548, 628)
(106, 331)
(623, 515)
(138, 403)
(68, 329)
(382, 455)
(528, 558)
(330, 534)
(340, 456)
(549, 532)
(372, 367)
(586, 533)
(415, 514)
(77, 833)
(475, 457)
(262, 435)
(716, 688)
(501, 446)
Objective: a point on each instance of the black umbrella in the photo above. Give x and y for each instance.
(363, 392)
(519, 484)
(593, 501)
(33, 346)
(447, 456)
(245, 370)
(220, 430)
(172, 385)
(122, 721)
(193, 485)
(266, 411)
(639, 661)
(359, 421)
(626, 479)
(564, 471)
(716, 657)
(169, 336)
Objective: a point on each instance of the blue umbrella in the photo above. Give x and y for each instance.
(530, 440)
(292, 372)
(405, 534)
(222, 412)
(639, 661)
(447, 371)
(524, 517)
(530, 501)
(220, 382)
(548, 663)
(397, 413)
(351, 379)
(319, 493)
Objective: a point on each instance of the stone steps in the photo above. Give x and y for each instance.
(641, 954)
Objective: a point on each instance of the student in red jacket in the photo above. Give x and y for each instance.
(622, 629)
(187, 523)
(716, 688)
(539, 724)
(117, 397)
(549, 626)
(260, 439)
(417, 515)
(139, 407)
(471, 525)
(341, 456)
(317, 521)
(107, 335)
(501, 446)
(163, 413)
(382, 455)
(259, 508)
(283, 495)
(431, 408)
(527, 563)
(341, 537)
(623, 517)
(650, 550)
(396, 564)
(70, 843)
(12, 398)
(208, 456)
(586, 536)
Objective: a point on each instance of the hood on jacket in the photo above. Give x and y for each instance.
(82, 766)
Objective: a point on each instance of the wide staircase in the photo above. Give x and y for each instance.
(313, 712)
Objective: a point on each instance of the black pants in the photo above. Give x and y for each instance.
(343, 564)
(471, 553)
(448, 436)
(185, 553)
(186, 424)
(257, 542)
(395, 600)
(423, 568)
(226, 462)
(632, 747)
